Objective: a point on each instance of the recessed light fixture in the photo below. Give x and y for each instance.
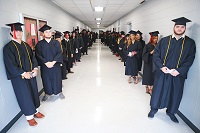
(98, 9)
(98, 23)
(98, 19)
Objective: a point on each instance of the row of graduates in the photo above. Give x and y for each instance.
(55, 58)
(166, 64)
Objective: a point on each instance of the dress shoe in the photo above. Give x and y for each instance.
(70, 72)
(45, 97)
(172, 117)
(39, 115)
(152, 113)
(32, 122)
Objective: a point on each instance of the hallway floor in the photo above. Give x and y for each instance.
(100, 100)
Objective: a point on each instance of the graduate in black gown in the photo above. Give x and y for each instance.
(58, 37)
(86, 42)
(148, 75)
(121, 46)
(75, 46)
(80, 43)
(139, 38)
(172, 58)
(66, 43)
(49, 57)
(21, 68)
(132, 51)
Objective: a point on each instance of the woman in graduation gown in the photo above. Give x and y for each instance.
(121, 46)
(49, 57)
(139, 38)
(132, 50)
(21, 68)
(58, 36)
(148, 76)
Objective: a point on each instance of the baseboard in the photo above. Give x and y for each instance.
(188, 122)
(12, 122)
(185, 119)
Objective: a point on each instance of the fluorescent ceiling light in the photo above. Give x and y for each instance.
(98, 23)
(98, 18)
(98, 9)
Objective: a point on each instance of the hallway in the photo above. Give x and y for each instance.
(100, 100)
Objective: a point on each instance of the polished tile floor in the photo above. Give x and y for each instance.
(99, 100)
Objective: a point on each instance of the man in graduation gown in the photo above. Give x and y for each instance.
(21, 69)
(86, 42)
(172, 58)
(66, 43)
(49, 57)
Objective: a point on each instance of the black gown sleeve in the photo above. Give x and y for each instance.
(13, 69)
(158, 64)
(185, 65)
(58, 56)
(145, 54)
(38, 52)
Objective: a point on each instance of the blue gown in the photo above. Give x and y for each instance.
(51, 77)
(148, 75)
(26, 90)
(167, 89)
(132, 62)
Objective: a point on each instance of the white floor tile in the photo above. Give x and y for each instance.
(100, 100)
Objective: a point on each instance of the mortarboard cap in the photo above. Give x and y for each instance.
(122, 33)
(45, 27)
(139, 32)
(58, 34)
(181, 21)
(15, 26)
(154, 33)
(132, 32)
(127, 35)
(66, 32)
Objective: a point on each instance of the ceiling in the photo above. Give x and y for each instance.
(84, 10)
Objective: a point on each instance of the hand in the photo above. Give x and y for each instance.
(49, 64)
(134, 53)
(27, 75)
(152, 52)
(72, 55)
(165, 69)
(174, 73)
(35, 72)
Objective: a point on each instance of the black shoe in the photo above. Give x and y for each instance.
(70, 72)
(172, 117)
(152, 113)
(79, 61)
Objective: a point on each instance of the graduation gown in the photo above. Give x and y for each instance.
(86, 43)
(51, 77)
(69, 50)
(148, 75)
(64, 64)
(168, 90)
(121, 48)
(140, 57)
(76, 47)
(132, 62)
(19, 59)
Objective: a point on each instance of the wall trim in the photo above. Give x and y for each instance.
(12, 122)
(185, 119)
